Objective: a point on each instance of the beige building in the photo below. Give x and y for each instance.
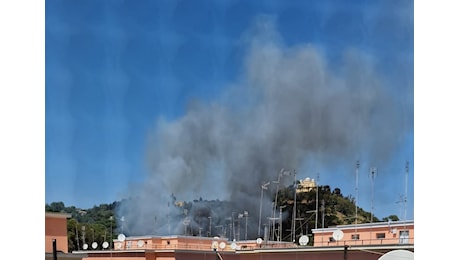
(306, 185)
(204, 248)
(379, 233)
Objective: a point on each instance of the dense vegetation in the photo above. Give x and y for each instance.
(99, 222)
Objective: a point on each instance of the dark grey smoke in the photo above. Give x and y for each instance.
(288, 105)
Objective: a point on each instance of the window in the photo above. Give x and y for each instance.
(355, 236)
(404, 237)
(331, 239)
(380, 235)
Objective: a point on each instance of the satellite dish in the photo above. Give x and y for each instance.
(121, 237)
(105, 244)
(337, 235)
(222, 245)
(94, 245)
(214, 244)
(398, 254)
(233, 246)
(259, 241)
(118, 245)
(85, 246)
(140, 243)
(303, 240)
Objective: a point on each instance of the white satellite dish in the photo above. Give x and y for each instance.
(233, 246)
(303, 240)
(222, 245)
(259, 241)
(85, 246)
(337, 235)
(121, 237)
(140, 243)
(105, 244)
(94, 245)
(214, 245)
(398, 254)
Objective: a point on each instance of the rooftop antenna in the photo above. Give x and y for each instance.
(293, 231)
(373, 173)
(169, 220)
(122, 221)
(405, 194)
(316, 212)
(78, 243)
(356, 200)
(264, 186)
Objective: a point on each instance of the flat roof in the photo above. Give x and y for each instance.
(58, 215)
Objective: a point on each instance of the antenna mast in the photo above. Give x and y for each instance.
(316, 211)
(405, 194)
(373, 172)
(293, 231)
(356, 200)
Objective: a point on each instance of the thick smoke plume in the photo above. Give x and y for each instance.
(287, 107)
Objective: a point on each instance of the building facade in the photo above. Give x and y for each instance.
(379, 233)
(56, 228)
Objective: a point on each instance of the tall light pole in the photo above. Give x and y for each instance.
(263, 187)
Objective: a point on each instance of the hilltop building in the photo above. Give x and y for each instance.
(306, 185)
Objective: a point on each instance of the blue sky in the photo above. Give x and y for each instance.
(121, 75)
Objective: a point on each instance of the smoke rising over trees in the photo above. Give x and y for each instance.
(288, 106)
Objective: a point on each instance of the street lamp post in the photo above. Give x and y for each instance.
(263, 187)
